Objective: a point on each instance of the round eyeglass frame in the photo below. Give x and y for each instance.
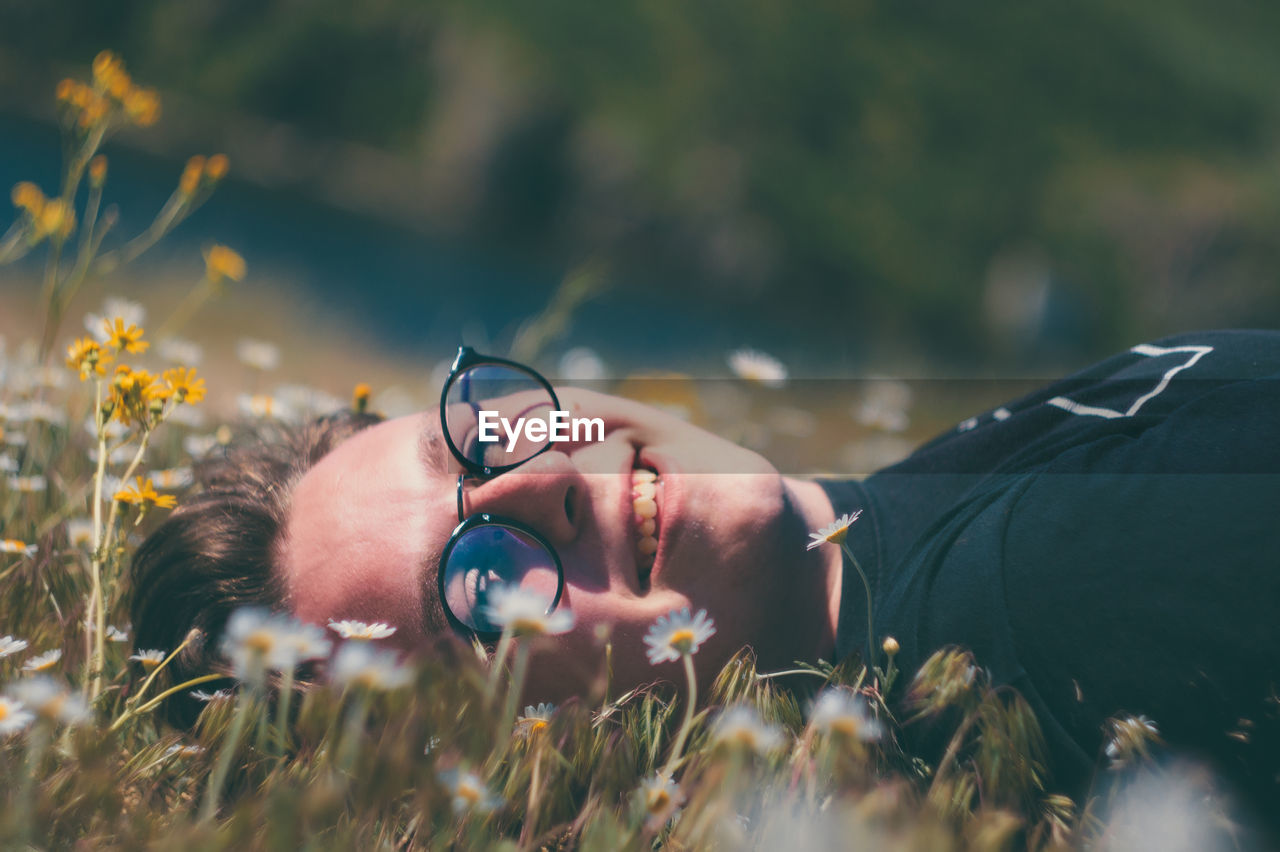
(466, 359)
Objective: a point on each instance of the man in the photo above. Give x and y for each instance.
(1105, 545)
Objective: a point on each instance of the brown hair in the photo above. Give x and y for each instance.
(216, 552)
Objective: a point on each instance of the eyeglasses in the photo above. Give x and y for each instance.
(487, 552)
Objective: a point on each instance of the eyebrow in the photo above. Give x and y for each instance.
(433, 456)
(431, 449)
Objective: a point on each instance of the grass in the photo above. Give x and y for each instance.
(443, 759)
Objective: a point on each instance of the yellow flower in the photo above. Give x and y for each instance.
(184, 384)
(95, 110)
(56, 217)
(86, 356)
(360, 397)
(27, 196)
(132, 394)
(98, 170)
(190, 180)
(124, 339)
(217, 167)
(142, 106)
(221, 262)
(143, 493)
(66, 89)
(105, 66)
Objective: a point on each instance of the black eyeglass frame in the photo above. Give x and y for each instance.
(466, 359)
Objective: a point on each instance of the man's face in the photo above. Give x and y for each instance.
(367, 525)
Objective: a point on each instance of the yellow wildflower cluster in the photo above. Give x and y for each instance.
(143, 494)
(221, 263)
(45, 216)
(112, 93)
(136, 397)
(201, 170)
(87, 357)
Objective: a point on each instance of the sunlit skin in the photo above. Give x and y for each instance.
(368, 522)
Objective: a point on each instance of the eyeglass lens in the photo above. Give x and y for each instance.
(510, 393)
(488, 557)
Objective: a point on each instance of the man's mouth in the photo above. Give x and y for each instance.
(646, 487)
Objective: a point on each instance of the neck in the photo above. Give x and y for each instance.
(815, 508)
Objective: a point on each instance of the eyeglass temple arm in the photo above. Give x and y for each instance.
(461, 476)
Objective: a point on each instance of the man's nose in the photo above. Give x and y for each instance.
(547, 492)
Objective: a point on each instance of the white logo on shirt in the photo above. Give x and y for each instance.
(1195, 353)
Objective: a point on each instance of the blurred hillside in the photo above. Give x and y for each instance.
(996, 183)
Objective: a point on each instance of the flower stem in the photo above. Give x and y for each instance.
(230, 746)
(282, 710)
(677, 749)
(495, 668)
(353, 731)
(866, 584)
(155, 702)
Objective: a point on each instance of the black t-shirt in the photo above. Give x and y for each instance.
(1108, 544)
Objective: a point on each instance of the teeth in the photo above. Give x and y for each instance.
(644, 492)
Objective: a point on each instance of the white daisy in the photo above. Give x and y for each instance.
(115, 634)
(361, 664)
(844, 713)
(10, 645)
(13, 716)
(308, 401)
(198, 445)
(50, 699)
(662, 799)
(13, 545)
(178, 350)
(180, 750)
(264, 406)
(258, 354)
(524, 611)
(534, 720)
(80, 532)
(756, 366)
(582, 364)
(835, 532)
(256, 640)
(470, 793)
(8, 464)
(741, 726)
(172, 477)
(42, 662)
(53, 378)
(187, 415)
(206, 697)
(677, 634)
(46, 412)
(361, 630)
(28, 484)
(149, 658)
(1131, 736)
(118, 456)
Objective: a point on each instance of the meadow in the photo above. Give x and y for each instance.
(101, 429)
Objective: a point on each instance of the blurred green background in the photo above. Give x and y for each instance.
(1002, 186)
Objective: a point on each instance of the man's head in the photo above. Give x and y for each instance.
(354, 528)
